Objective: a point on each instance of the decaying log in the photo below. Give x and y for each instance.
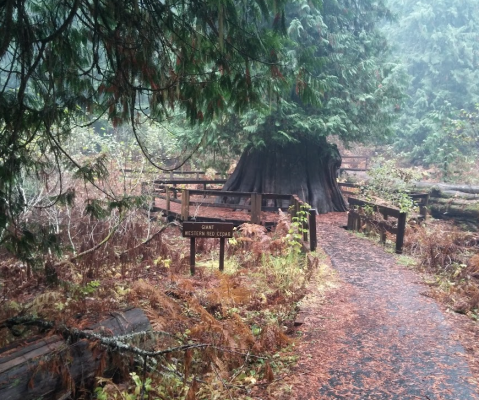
(453, 194)
(458, 202)
(441, 187)
(455, 208)
(47, 367)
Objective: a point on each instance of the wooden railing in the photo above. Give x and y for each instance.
(173, 183)
(255, 206)
(180, 175)
(255, 203)
(421, 199)
(355, 221)
(354, 163)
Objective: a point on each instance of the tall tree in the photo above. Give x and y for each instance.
(438, 41)
(341, 84)
(66, 63)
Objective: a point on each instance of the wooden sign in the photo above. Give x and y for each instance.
(208, 229)
(193, 230)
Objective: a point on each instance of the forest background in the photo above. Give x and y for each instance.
(90, 91)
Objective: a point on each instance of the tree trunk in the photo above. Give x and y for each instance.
(307, 169)
(48, 368)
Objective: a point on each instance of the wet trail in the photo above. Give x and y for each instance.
(378, 336)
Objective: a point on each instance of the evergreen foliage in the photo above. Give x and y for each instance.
(339, 79)
(67, 63)
(438, 42)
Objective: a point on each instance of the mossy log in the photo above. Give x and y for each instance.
(445, 189)
(453, 194)
(454, 208)
(50, 368)
(458, 202)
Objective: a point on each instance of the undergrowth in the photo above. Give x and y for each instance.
(452, 257)
(243, 315)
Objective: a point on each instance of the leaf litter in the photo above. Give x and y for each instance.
(375, 335)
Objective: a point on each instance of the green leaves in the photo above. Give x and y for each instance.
(438, 42)
(391, 184)
(92, 170)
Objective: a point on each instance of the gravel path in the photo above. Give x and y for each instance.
(377, 336)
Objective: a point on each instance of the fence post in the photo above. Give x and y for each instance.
(305, 225)
(423, 207)
(313, 240)
(192, 256)
(400, 232)
(295, 208)
(222, 254)
(350, 220)
(292, 209)
(167, 194)
(256, 200)
(185, 204)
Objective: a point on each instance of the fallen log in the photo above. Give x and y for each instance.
(455, 208)
(50, 368)
(441, 187)
(457, 202)
(452, 194)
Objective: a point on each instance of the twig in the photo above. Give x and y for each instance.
(110, 342)
(174, 223)
(223, 381)
(240, 368)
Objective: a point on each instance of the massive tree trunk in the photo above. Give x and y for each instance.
(307, 169)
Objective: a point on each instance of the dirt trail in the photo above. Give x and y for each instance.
(377, 336)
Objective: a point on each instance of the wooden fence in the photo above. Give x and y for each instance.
(356, 220)
(253, 203)
(354, 164)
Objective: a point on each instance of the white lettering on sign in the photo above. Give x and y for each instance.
(208, 230)
(195, 233)
(219, 234)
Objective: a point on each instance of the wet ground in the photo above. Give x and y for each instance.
(377, 336)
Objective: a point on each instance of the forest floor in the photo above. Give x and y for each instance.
(378, 334)
(371, 330)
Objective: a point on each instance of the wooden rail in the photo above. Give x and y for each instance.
(173, 183)
(171, 174)
(354, 163)
(355, 221)
(255, 203)
(421, 199)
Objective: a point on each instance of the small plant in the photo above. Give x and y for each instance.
(210, 174)
(298, 227)
(390, 184)
(112, 391)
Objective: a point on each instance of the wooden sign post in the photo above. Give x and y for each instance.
(221, 230)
